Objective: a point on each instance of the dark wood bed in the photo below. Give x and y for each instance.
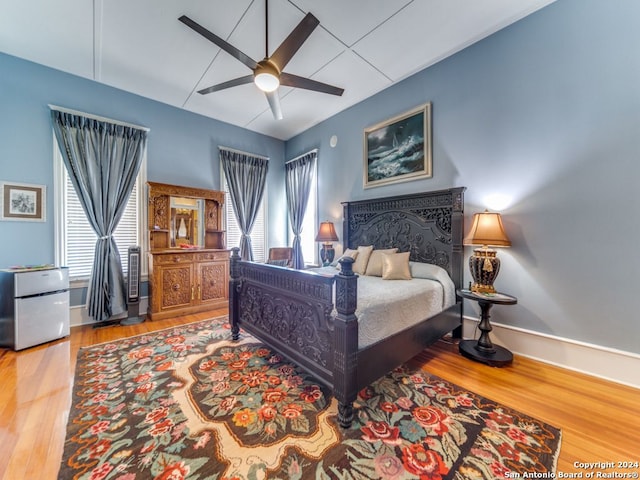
(291, 310)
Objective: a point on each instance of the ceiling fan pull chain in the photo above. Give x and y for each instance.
(266, 28)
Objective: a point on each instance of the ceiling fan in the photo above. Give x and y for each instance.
(268, 73)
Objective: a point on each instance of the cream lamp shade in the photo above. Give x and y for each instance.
(487, 230)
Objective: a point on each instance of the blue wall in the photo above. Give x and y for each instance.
(546, 112)
(182, 146)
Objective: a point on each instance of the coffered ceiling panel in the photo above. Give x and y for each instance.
(362, 46)
(352, 20)
(153, 50)
(427, 31)
(56, 34)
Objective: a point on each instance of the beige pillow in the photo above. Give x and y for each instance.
(395, 266)
(374, 267)
(360, 265)
(347, 253)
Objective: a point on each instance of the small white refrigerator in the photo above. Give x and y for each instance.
(34, 306)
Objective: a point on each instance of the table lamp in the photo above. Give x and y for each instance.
(327, 235)
(487, 230)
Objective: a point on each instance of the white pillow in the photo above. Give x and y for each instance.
(360, 265)
(347, 253)
(395, 266)
(374, 267)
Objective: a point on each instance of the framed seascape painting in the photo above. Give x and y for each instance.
(22, 201)
(399, 149)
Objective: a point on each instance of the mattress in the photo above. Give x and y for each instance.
(386, 307)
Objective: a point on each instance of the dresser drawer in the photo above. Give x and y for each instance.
(212, 256)
(173, 258)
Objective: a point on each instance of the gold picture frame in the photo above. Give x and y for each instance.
(23, 202)
(399, 149)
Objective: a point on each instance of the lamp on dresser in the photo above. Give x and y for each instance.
(487, 230)
(327, 235)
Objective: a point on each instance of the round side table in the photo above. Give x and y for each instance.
(482, 350)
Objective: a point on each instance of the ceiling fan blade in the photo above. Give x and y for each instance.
(231, 83)
(223, 44)
(274, 102)
(290, 80)
(294, 41)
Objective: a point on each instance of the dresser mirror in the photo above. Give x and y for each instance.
(187, 221)
(185, 218)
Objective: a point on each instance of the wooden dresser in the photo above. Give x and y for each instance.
(188, 259)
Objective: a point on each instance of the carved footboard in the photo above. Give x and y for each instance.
(290, 311)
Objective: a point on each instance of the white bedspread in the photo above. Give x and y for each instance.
(389, 306)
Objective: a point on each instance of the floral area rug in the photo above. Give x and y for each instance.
(189, 403)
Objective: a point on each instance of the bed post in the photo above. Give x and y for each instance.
(457, 247)
(345, 360)
(234, 283)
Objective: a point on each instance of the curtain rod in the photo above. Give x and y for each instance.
(242, 153)
(97, 117)
(300, 156)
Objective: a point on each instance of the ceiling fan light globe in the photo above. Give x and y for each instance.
(267, 82)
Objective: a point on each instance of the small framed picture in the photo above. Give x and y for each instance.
(398, 149)
(22, 201)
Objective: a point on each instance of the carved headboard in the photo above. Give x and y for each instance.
(429, 225)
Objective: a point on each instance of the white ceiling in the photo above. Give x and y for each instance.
(140, 46)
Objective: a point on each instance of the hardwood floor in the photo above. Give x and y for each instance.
(600, 420)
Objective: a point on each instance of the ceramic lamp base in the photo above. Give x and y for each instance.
(327, 253)
(484, 266)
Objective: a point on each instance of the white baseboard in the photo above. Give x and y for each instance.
(603, 362)
(78, 314)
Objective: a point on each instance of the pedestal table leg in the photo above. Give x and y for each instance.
(484, 342)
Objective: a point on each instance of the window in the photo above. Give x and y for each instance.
(76, 240)
(310, 220)
(258, 233)
(310, 224)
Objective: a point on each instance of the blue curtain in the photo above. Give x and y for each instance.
(103, 160)
(299, 177)
(246, 177)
